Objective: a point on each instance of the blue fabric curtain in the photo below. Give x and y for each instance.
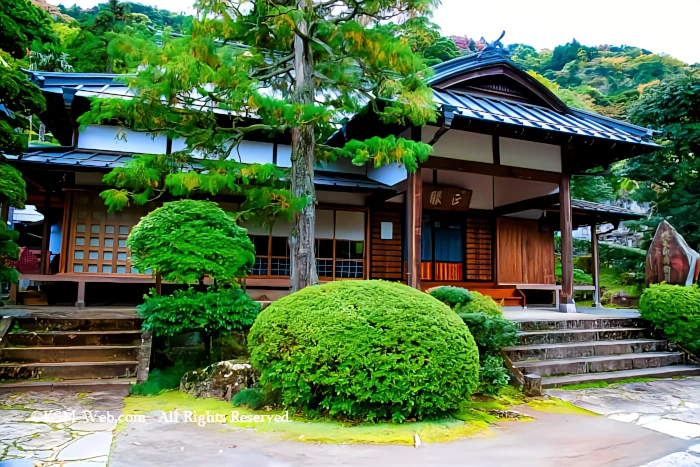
(449, 245)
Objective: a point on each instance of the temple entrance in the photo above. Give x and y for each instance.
(442, 246)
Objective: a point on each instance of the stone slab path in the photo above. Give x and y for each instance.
(58, 428)
(670, 406)
(555, 440)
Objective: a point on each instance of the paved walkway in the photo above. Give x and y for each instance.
(58, 428)
(551, 440)
(667, 406)
(543, 313)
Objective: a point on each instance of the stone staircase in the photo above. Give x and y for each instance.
(578, 351)
(70, 353)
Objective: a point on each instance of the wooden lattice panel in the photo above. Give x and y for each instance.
(479, 251)
(97, 239)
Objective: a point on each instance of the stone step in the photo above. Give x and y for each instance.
(585, 365)
(602, 323)
(56, 354)
(78, 324)
(68, 370)
(563, 336)
(610, 376)
(75, 338)
(519, 353)
(120, 386)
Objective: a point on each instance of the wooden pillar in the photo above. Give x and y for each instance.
(5, 212)
(566, 299)
(595, 259)
(414, 220)
(80, 303)
(46, 234)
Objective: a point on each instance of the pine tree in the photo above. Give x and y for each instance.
(298, 67)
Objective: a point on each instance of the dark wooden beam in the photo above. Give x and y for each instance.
(484, 168)
(566, 300)
(541, 202)
(595, 258)
(379, 197)
(46, 233)
(496, 145)
(414, 218)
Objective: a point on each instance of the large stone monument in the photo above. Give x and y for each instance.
(670, 259)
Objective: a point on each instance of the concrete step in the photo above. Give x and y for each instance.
(602, 323)
(519, 353)
(563, 336)
(610, 376)
(78, 324)
(56, 354)
(120, 386)
(586, 365)
(68, 370)
(75, 338)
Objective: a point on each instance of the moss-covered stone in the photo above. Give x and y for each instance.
(221, 380)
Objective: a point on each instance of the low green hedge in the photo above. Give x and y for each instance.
(452, 296)
(674, 309)
(480, 304)
(364, 350)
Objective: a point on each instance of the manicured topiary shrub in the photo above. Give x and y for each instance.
(452, 296)
(252, 398)
(675, 310)
(480, 304)
(364, 350)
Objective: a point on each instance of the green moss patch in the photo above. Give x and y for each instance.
(473, 419)
(558, 406)
(605, 384)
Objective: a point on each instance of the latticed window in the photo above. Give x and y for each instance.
(97, 240)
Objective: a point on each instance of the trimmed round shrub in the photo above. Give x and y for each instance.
(452, 296)
(674, 309)
(480, 304)
(364, 350)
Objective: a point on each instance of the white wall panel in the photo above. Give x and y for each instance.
(338, 197)
(105, 138)
(284, 155)
(253, 152)
(529, 155)
(480, 185)
(389, 174)
(462, 145)
(350, 225)
(511, 190)
(324, 224)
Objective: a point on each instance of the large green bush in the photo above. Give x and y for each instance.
(364, 350)
(674, 309)
(480, 304)
(452, 296)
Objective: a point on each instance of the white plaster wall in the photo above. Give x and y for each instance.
(390, 174)
(462, 145)
(350, 225)
(337, 197)
(104, 137)
(529, 155)
(254, 229)
(284, 155)
(481, 186)
(324, 224)
(511, 190)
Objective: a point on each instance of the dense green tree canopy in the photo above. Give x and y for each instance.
(669, 178)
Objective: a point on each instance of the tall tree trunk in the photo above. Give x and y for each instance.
(303, 257)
